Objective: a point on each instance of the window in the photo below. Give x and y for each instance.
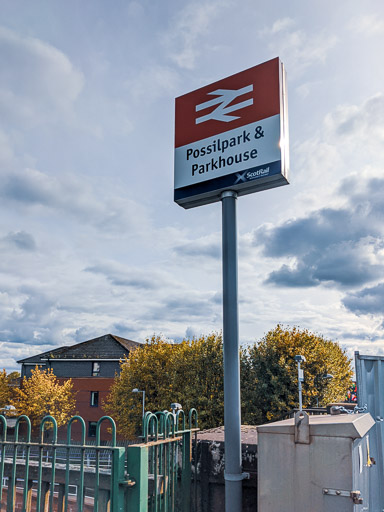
(94, 399)
(92, 428)
(95, 369)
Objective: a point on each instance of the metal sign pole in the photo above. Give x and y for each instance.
(232, 414)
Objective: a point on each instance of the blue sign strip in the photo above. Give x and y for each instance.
(230, 181)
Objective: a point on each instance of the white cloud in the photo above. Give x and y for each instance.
(152, 82)
(121, 275)
(297, 48)
(282, 24)
(370, 25)
(189, 27)
(37, 81)
(363, 123)
(75, 197)
(206, 247)
(6, 150)
(348, 142)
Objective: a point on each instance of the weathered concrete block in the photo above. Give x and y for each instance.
(210, 458)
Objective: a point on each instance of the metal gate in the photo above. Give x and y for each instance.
(52, 476)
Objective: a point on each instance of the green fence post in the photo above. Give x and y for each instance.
(117, 475)
(137, 468)
(186, 473)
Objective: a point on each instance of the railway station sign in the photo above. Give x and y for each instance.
(232, 135)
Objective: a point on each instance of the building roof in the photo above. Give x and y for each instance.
(108, 346)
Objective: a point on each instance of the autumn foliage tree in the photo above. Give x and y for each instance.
(7, 387)
(190, 373)
(42, 394)
(269, 373)
(5, 390)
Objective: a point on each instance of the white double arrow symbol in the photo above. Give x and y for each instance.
(225, 97)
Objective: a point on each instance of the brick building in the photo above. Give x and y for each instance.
(92, 366)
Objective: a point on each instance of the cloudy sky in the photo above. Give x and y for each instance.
(91, 241)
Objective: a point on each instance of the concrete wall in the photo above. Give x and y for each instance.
(210, 470)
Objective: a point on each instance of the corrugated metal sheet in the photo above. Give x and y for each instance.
(370, 391)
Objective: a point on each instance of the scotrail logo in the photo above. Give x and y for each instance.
(225, 97)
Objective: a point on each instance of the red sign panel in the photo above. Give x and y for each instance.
(265, 95)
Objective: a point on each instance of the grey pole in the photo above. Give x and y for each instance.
(232, 415)
(300, 388)
(143, 404)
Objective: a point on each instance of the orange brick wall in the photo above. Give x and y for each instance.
(83, 386)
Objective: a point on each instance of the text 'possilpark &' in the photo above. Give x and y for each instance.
(222, 145)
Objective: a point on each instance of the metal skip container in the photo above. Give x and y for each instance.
(370, 393)
(315, 463)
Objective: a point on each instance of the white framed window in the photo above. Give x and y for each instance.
(94, 399)
(95, 369)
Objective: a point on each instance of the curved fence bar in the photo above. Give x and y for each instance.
(166, 423)
(170, 425)
(80, 491)
(98, 427)
(148, 413)
(69, 428)
(193, 419)
(46, 420)
(180, 415)
(151, 427)
(20, 419)
(50, 449)
(160, 415)
(98, 449)
(3, 422)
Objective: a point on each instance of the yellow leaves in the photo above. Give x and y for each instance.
(189, 372)
(42, 394)
(7, 383)
(270, 368)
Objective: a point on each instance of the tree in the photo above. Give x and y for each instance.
(42, 394)
(6, 387)
(5, 390)
(269, 373)
(190, 373)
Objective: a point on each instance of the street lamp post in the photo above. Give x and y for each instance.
(300, 374)
(136, 390)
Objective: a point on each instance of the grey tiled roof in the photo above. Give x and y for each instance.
(103, 347)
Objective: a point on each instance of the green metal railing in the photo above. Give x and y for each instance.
(31, 479)
(153, 476)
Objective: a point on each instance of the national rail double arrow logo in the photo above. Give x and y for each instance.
(224, 99)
